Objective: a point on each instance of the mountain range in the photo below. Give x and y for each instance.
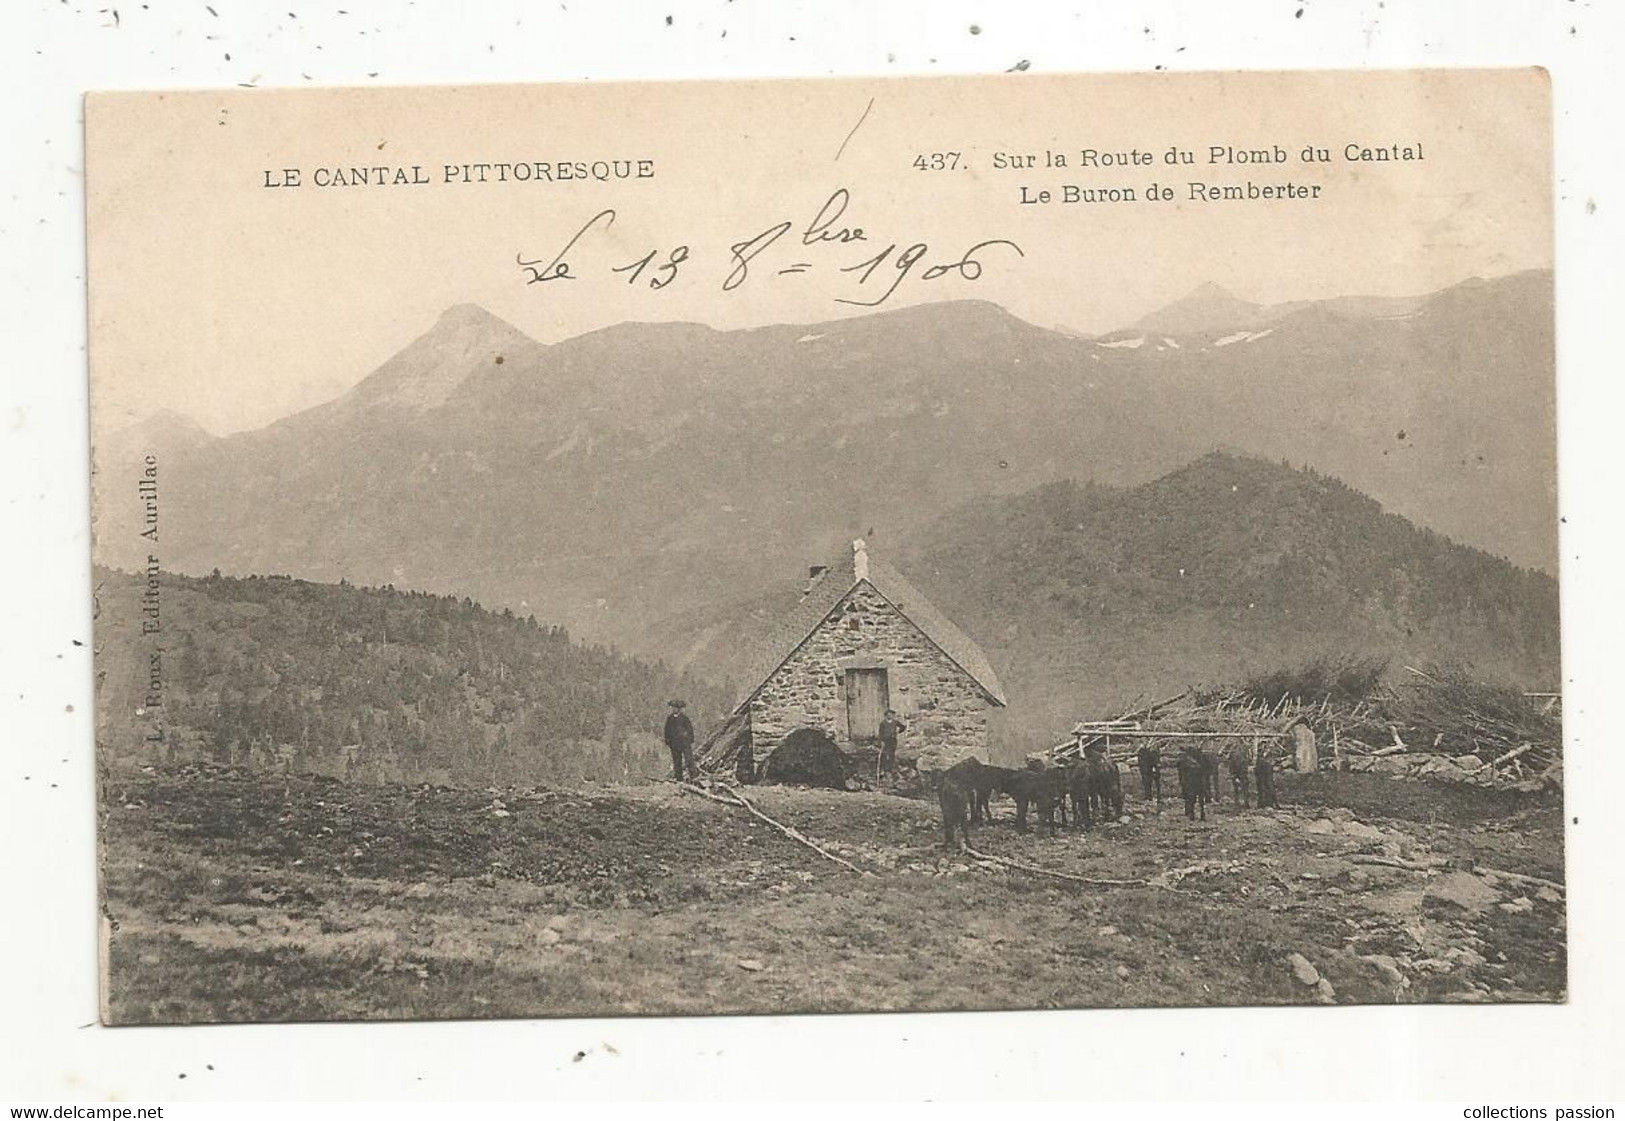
(645, 484)
(1091, 598)
(1209, 309)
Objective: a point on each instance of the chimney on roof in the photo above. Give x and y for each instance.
(860, 560)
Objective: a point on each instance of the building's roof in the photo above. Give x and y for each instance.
(785, 634)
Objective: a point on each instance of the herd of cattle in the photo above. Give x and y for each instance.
(1094, 784)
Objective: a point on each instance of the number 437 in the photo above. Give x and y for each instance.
(937, 161)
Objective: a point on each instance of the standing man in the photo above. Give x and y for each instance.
(680, 739)
(889, 728)
(1150, 760)
(1264, 779)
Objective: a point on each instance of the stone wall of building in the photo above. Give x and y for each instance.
(945, 711)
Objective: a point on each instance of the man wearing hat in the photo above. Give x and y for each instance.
(680, 739)
(889, 727)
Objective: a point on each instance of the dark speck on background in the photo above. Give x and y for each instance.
(975, 29)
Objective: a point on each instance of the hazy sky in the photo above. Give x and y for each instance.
(236, 303)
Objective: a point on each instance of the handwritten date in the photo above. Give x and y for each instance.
(771, 250)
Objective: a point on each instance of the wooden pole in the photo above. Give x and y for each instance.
(1509, 756)
(1386, 862)
(1152, 734)
(739, 800)
(1037, 871)
(1520, 878)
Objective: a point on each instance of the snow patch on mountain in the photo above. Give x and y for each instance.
(1243, 337)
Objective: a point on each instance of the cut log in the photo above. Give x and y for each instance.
(1153, 734)
(1037, 871)
(1507, 758)
(1520, 878)
(1389, 862)
(740, 801)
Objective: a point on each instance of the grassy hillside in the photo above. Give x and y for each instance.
(375, 683)
(1088, 596)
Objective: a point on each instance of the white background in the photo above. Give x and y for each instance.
(50, 1045)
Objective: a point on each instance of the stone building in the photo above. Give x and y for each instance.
(861, 640)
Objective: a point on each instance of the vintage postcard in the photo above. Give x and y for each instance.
(969, 543)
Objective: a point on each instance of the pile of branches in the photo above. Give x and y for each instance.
(1215, 718)
(1354, 710)
(1446, 711)
(1327, 680)
(727, 748)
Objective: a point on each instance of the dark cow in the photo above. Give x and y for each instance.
(1041, 787)
(1210, 775)
(1149, 757)
(956, 799)
(1096, 788)
(1264, 772)
(1240, 766)
(1080, 786)
(982, 781)
(1193, 781)
(1109, 788)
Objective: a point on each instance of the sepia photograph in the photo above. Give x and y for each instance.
(931, 544)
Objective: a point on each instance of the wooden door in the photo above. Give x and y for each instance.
(867, 699)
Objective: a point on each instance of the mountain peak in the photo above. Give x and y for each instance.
(1211, 290)
(162, 428)
(964, 310)
(464, 317)
(171, 420)
(1205, 309)
(465, 341)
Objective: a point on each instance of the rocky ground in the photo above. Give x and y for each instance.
(234, 896)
